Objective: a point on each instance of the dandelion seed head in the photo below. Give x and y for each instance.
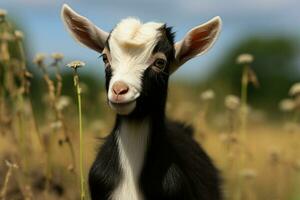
(63, 102)
(39, 59)
(287, 105)
(56, 125)
(57, 56)
(28, 75)
(232, 102)
(207, 95)
(3, 13)
(10, 164)
(295, 89)
(245, 58)
(76, 64)
(19, 35)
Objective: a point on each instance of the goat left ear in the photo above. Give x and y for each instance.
(83, 30)
(196, 42)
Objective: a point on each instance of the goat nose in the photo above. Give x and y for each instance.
(120, 88)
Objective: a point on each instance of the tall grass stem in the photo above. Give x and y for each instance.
(78, 91)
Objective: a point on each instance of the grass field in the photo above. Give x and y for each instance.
(39, 153)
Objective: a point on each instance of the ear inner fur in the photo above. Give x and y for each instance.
(82, 30)
(196, 42)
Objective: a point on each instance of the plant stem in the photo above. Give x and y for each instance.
(59, 114)
(26, 87)
(244, 96)
(59, 80)
(5, 184)
(22, 133)
(78, 91)
(243, 128)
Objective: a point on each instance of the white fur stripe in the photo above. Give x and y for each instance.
(132, 145)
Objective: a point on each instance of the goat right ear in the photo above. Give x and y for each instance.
(83, 30)
(196, 42)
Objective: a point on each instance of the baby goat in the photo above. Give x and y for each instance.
(146, 156)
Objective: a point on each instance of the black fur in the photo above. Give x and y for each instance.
(175, 166)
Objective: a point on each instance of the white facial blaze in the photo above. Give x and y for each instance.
(131, 44)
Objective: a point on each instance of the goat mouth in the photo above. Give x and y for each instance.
(123, 108)
(121, 103)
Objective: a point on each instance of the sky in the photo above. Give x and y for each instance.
(40, 20)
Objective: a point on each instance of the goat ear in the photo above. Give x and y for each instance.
(83, 30)
(196, 42)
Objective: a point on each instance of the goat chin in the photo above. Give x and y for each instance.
(123, 108)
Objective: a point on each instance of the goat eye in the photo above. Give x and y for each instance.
(160, 63)
(105, 59)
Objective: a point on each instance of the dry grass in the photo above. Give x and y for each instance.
(271, 169)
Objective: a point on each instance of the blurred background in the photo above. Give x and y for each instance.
(250, 129)
(267, 29)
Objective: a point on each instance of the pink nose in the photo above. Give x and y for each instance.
(120, 88)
